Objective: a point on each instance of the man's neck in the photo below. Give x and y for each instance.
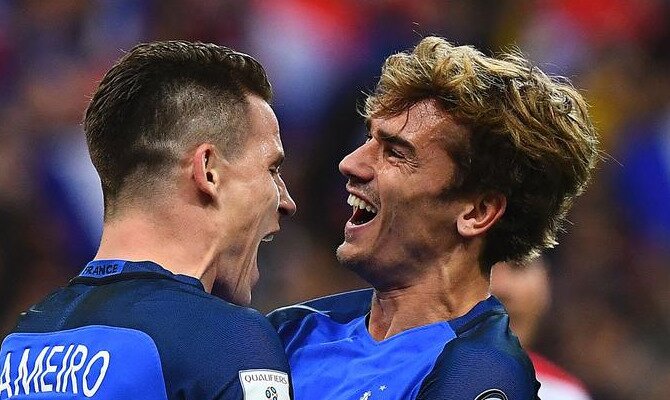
(176, 246)
(445, 295)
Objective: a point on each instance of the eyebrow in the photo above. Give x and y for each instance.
(279, 159)
(391, 138)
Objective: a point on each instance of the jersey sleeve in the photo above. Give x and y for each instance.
(251, 362)
(213, 354)
(468, 372)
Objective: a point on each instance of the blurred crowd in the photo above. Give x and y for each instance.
(609, 321)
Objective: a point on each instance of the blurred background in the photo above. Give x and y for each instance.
(609, 321)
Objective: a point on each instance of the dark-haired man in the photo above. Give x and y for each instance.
(188, 152)
(469, 160)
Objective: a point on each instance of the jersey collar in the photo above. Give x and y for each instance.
(105, 271)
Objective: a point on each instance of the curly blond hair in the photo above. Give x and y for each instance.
(531, 137)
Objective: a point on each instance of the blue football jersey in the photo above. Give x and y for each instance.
(333, 356)
(133, 330)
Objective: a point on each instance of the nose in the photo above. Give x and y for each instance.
(287, 206)
(356, 165)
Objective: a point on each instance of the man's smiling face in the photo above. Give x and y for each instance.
(399, 181)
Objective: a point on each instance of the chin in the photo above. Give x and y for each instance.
(375, 271)
(348, 257)
(343, 253)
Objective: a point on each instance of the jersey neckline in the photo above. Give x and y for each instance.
(431, 330)
(111, 270)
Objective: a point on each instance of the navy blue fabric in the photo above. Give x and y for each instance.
(477, 357)
(202, 342)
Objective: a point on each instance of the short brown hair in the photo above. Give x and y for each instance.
(531, 137)
(161, 98)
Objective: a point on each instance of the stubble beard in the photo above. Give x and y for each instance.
(357, 264)
(348, 261)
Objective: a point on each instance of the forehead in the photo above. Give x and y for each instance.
(423, 124)
(263, 128)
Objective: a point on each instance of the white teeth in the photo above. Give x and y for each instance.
(268, 238)
(357, 202)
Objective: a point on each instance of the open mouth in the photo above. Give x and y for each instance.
(363, 211)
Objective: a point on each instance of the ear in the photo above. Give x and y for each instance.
(481, 214)
(206, 169)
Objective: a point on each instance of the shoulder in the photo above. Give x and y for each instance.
(221, 326)
(341, 307)
(162, 303)
(484, 361)
(194, 331)
(207, 346)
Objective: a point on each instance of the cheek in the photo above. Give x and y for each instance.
(259, 196)
(413, 205)
(267, 198)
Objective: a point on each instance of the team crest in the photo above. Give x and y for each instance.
(492, 394)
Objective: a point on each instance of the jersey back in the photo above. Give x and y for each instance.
(76, 362)
(134, 330)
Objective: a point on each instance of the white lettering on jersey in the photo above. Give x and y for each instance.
(104, 355)
(75, 370)
(264, 384)
(59, 376)
(5, 385)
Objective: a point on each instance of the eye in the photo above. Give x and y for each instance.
(391, 152)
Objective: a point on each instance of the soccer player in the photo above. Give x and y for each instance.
(188, 152)
(526, 294)
(469, 160)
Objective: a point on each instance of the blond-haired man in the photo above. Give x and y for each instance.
(469, 160)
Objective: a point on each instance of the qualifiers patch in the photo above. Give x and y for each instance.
(492, 394)
(264, 384)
